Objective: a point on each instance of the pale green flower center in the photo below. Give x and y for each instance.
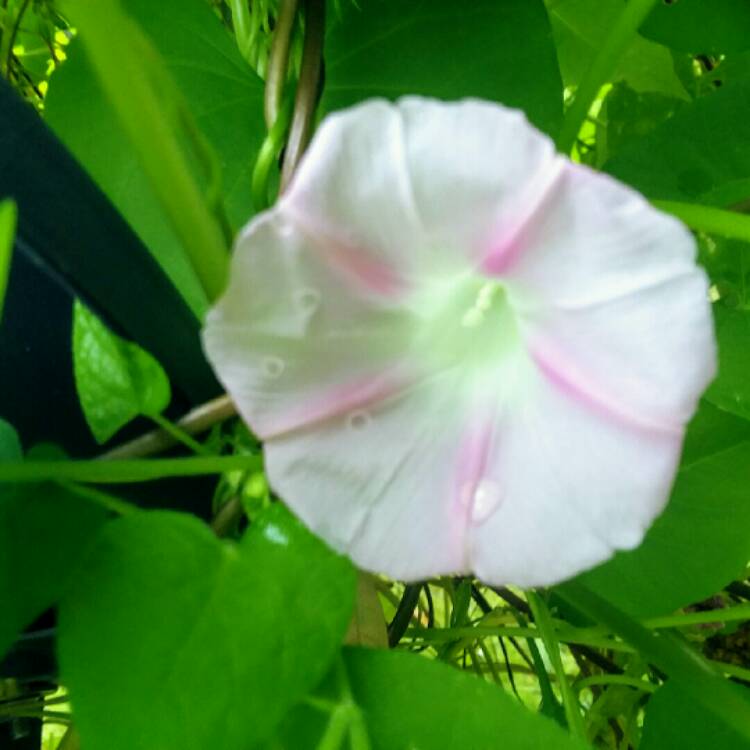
(467, 320)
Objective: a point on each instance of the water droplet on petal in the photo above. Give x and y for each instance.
(285, 228)
(358, 420)
(486, 498)
(272, 367)
(307, 299)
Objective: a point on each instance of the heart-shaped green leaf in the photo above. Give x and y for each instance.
(116, 380)
(408, 702)
(698, 545)
(676, 720)
(172, 639)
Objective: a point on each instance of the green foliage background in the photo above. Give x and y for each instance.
(169, 637)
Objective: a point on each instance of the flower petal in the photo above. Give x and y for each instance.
(352, 189)
(378, 483)
(422, 186)
(293, 340)
(462, 351)
(567, 486)
(477, 170)
(609, 297)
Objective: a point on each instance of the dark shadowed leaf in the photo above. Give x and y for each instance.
(44, 531)
(731, 389)
(697, 26)
(702, 153)
(440, 48)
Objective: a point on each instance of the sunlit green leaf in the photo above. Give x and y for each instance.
(153, 116)
(116, 380)
(7, 234)
(200, 643)
(411, 702)
(225, 98)
(580, 28)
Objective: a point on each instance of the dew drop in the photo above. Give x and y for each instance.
(358, 420)
(486, 498)
(272, 367)
(307, 299)
(285, 228)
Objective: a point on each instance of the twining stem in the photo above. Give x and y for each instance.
(227, 516)
(551, 644)
(242, 26)
(124, 471)
(696, 677)
(268, 155)
(570, 635)
(597, 637)
(179, 435)
(8, 39)
(728, 614)
(729, 224)
(198, 420)
(306, 97)
(278, 61)
(614, 679)
(602, 69)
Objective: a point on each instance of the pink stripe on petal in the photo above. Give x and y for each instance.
(511, 239)
(504, 256)
(336, 401)
(357, 264)
(472, 485)
(365, 271)
(565, 377)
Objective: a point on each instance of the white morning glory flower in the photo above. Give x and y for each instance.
(464, 352)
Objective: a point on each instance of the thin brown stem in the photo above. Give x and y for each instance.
(70, 741)
(306, 98)
(10, 40)
(227, 516)
(198, 420)
(278, 60)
